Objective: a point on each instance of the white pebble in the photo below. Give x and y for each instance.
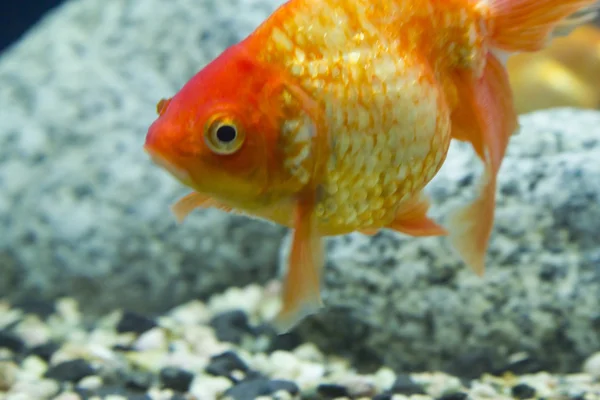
(33, 331)
(359, 386)
(153, 339)
(483, 390)
(151, 361)
(90, 382)
(246, 299)
(203, 341)
(205, 387)
(8, 374)
(592, 366)
(284, 365)
(68, 309)
(309, 376)
(33, 366)
(309, 352)
(5, 354)
(160, 394)
(36, 389)
(8, 316)
(114, 397)
(384, 378)
(282, 395)
(191, 313)
(67, 396)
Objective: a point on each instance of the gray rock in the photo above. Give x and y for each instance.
(412, 303)
(83, 212)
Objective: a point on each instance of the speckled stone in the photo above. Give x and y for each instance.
(412, 302)
(82, 209)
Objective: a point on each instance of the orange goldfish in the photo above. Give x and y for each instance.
(566, 73)
(333, 115)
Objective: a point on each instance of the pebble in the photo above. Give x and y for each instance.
(70, 371)
(231, 326)
(136, 323)
(225, 364)
(92, 382)
(176, 378)
(12, 342)
(179, 356)
(138, 380)
(405, 385)
(454, 396)
(209, 387)
(34, 366)
(523, 391)
(592, 366)
(332, 390)
(8, 374)
(44, 351)
(253, 388)
(152, 339)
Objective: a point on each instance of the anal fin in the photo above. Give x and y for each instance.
(486, 119)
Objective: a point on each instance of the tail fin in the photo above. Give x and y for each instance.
(527, 25)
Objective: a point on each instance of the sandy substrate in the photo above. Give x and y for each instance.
(222, 349)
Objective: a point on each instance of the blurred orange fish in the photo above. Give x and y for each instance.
(333, 115)
(565, 74)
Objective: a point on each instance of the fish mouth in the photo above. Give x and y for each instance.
(159, 159)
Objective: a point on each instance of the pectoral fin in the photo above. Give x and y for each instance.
(301, 289)
(184, 206)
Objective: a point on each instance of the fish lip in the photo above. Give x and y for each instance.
(159, 159)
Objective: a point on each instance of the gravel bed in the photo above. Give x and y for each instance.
(221, 349)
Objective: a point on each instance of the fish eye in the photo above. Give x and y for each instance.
(223, 136)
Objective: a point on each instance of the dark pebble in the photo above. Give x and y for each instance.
(44, 351)
(11, 342)
(523, 391)
(578, 397)
(383, 396)
(521, 366)
(473, 364)
(405, 385)
(284, 341)
(123, 347)
(331, 390)
(231, 326)
(138, 396)
(136, 323)
(249, 389)
(176, 379)
(70, 371)
(280, 384)
(110, 390)
(224, 364)
(137, 380)
(454, 396)
(42, 309)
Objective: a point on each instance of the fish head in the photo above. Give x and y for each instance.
(214, 135)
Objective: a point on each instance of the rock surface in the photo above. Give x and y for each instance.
(83, 211)
(412, 303)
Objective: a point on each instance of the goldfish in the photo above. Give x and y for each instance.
(332, 116)
(566, 73)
